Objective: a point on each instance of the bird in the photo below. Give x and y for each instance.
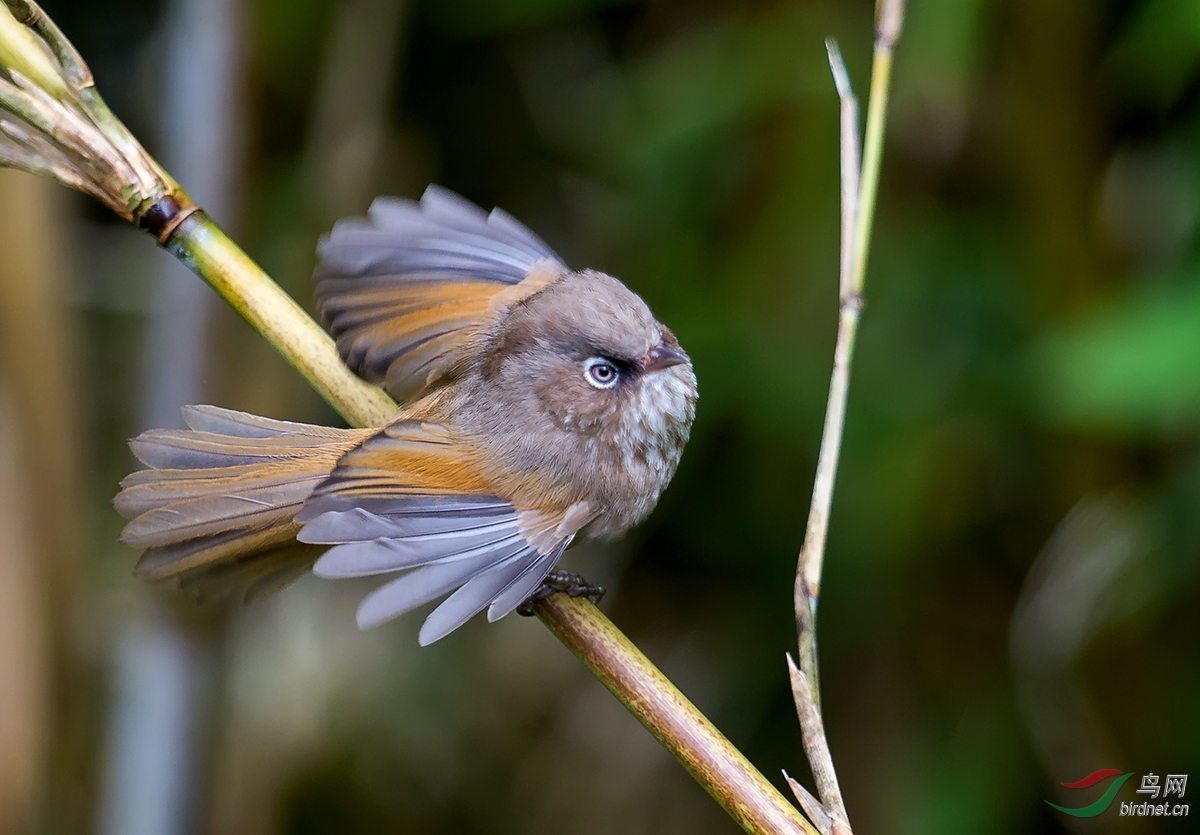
(539, 404)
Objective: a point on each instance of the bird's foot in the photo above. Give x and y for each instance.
(563, 581)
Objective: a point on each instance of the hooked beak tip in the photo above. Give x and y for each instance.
(661, 356)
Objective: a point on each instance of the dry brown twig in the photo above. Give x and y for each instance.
(859, 186)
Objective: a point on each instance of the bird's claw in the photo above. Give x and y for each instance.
(564, 581)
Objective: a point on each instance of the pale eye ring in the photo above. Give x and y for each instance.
(601, 372)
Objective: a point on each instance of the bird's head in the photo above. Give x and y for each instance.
(591, 354)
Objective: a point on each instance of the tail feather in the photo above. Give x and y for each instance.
(245, 425)
(217, 506)
(146, 490)
(183, 449)
(232, 508)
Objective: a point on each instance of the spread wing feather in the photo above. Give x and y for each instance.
(486, 588)
(404, 289)
(427, 583)
(408, 500)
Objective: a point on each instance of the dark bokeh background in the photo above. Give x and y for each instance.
(1013, 583)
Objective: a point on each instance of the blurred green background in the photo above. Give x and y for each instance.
(1012, 594)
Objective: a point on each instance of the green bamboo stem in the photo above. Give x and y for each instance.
(208, 252)
(717, 765)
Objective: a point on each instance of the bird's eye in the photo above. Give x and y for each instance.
(601, 372)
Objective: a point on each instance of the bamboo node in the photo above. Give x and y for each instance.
(164, 216)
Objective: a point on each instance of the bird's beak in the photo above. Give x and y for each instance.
(660, 357)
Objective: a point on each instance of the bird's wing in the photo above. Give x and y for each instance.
(403, 289)
(409, 500)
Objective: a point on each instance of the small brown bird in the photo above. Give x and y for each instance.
(539, 404)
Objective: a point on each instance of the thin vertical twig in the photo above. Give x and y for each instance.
(859, 187)
(851, 159)
(812, 553)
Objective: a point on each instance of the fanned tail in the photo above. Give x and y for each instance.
(216, 508)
